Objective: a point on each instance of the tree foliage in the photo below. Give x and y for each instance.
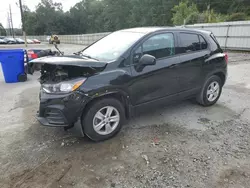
(2, 30)
(240, 16)
(184, 12)
(90, 16)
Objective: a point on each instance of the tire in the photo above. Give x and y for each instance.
(90, 119)
(204, 97)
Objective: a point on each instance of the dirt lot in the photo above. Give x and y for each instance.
(183, 145)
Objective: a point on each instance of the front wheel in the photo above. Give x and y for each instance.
(103, 119)
(210, 92)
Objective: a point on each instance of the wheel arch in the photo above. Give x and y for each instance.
(222, 76)
(220, 73)
(121, 96)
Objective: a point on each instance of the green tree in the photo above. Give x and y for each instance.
(239, 16)
(2, 30)
(48, 16)
(193, 18)
(224, 6)
(183, 11)
(91, 16)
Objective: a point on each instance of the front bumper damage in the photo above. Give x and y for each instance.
(61, 110)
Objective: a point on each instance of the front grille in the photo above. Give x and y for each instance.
(54, 116)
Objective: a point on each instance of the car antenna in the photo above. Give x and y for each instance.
(58, 49)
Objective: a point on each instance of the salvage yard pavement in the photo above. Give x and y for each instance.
(182, 145)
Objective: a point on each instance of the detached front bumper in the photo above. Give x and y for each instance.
(61, 110)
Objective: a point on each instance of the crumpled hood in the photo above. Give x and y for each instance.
(73, 60)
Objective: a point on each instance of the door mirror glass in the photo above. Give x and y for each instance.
(147, 60)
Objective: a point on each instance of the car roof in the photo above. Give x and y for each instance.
(147, 30)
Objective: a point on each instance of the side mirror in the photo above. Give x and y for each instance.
(147, 60)
(144, 61)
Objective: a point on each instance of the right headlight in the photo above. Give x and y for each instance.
(63, 87)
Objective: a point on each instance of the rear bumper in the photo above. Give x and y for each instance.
(61, 110)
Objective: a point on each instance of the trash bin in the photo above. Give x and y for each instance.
(12, 62)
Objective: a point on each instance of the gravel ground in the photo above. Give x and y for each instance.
(182, 145)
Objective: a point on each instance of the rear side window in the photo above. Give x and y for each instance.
(203, 43)
(189, 43)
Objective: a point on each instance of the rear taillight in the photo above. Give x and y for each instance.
(32, 54)
(226, 57)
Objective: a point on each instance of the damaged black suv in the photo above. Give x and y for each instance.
(98, 88)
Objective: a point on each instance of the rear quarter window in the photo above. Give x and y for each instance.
(214, 39)
(215, 44)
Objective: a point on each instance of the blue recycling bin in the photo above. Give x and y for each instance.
(12, 61)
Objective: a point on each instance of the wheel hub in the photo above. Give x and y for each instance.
(213, 91)
(106, 120)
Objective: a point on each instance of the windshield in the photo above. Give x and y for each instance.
(112, 46)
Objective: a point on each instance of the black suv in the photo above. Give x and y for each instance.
(98, 88)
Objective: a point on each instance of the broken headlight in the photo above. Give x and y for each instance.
(63, 87)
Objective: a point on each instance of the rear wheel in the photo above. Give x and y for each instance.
(104, 119)
(210, 92)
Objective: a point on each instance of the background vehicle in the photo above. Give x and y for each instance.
(129, 71)
(10, 40)
(19, 41)
(2, 41)
(29, 41)
(33, 53)
(54, 39)
(36, 53)
(36, 41)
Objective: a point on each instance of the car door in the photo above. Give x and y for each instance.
(159, 80)
(193, 51)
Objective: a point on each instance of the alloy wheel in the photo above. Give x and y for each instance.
(106, 120)
(213, 91)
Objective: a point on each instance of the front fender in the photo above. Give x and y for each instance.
(120, 95)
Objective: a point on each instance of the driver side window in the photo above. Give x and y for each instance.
(159, 46)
